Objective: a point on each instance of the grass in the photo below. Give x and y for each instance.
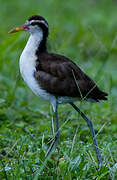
(85, 31)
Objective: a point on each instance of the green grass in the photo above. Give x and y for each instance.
(85, 31)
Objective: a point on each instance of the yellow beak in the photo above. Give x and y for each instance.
(21, 28)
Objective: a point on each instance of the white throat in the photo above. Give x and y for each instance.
(33, 42)
(28, 58)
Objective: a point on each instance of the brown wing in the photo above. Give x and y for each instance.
(60, 76)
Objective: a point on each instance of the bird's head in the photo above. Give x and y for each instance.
(33, 25)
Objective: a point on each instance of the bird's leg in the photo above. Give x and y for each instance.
(90, 125)
(57, 133)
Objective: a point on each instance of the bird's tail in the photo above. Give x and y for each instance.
(101, 96)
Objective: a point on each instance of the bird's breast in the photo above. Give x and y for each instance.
(27, 69)
(27, 65)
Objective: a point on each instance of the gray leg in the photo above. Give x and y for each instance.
(57, 133)
(90, 125)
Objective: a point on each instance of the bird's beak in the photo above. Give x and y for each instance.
(17, 29)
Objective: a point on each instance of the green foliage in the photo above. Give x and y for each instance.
(86, 32)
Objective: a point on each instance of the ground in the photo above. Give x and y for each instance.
(86, 32)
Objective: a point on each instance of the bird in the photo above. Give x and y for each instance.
(54, 77)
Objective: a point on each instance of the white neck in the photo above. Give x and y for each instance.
(28, 57)
(33, 42)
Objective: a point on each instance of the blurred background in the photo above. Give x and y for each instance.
(86, 32)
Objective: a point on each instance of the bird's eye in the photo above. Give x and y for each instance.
(33, 24)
